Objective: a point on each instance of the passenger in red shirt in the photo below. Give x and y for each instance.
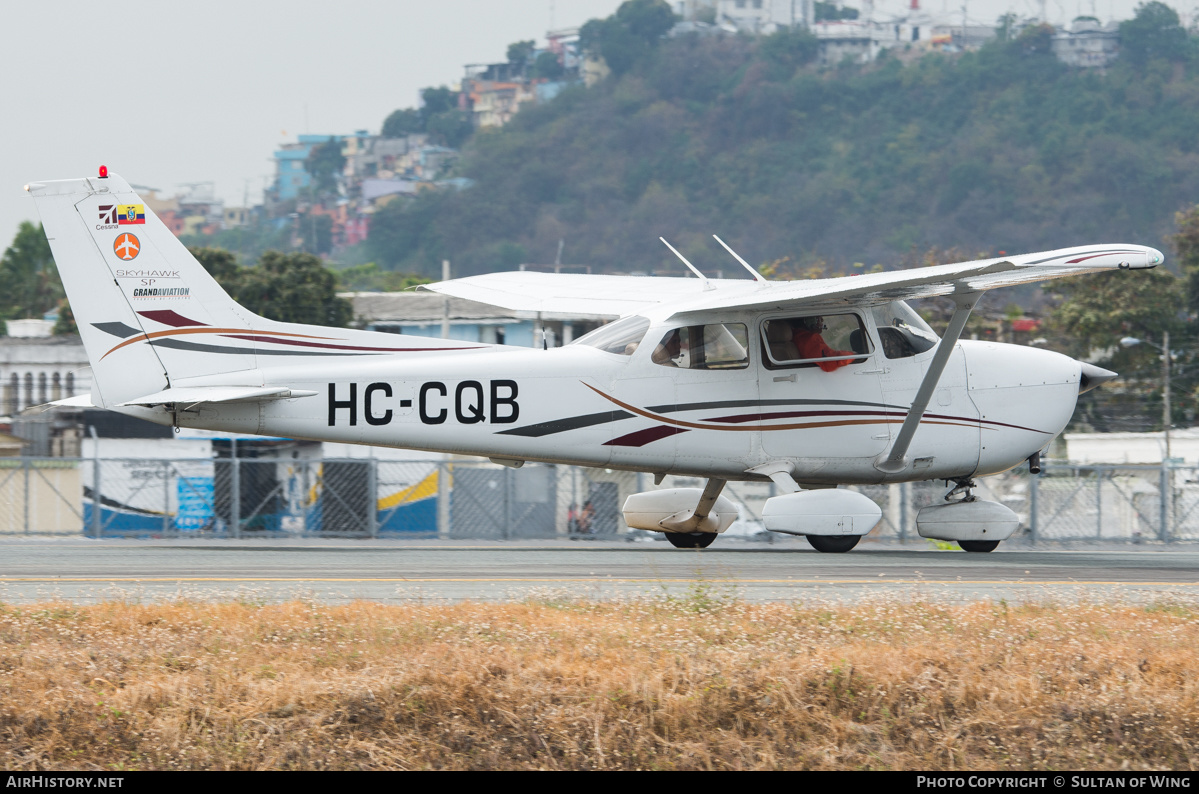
(810, 344)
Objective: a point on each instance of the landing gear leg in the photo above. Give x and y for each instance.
(698, 540)
(963, 487)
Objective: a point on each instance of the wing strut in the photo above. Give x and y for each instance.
(758, 277)
(896, 460)
(683, 259)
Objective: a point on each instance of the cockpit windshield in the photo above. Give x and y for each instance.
(902, 332)
(621, 337)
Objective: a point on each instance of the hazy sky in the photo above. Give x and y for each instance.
(171, 93)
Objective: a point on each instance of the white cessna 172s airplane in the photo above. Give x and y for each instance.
(812, 384)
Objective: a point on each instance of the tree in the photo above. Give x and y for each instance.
(520, 52)
(289, 288)
(65, 324)
(437, 100)
(1100, 309)
(31, 286)
(1186, 243)
(1155, 32)
(371, 278)
(829, 11)
(547, 66)
(628, 36)
(221, 265)
(404, 121)
(450, 128)
(294, 288)
(1035, 39)
(788, 49)
(325, 163)
(1097, 312)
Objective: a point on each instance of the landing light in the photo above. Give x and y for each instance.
(104, 172)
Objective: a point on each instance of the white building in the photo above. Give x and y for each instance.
(1120, 448)
(1087, 44)
(36, 370)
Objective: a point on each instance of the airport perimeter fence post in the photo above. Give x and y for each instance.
(904, 504)
(235, 493)
(96, 526)
(1033, 479)
(25, 467)
(1098, 503)
(1164, 488)
(372, 499)
(166, 498)
(443, 501)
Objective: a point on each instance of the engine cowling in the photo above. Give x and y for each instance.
(826, 512)
(673, 510)
(977, 520)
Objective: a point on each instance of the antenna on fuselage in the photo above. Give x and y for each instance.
(757, 276)
(683, 259)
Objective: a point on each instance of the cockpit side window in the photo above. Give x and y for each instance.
(901, 331)
(712, 346)
(621, 337)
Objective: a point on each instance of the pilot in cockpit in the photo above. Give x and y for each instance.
(810, 344)
(668, 350)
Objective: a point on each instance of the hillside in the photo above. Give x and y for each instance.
(1000, 149)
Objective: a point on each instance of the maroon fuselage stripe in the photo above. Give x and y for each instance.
(298, 343)
(643, 437)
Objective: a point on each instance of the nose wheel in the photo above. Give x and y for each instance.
(978, 545)
(833, 544)
(691, 540)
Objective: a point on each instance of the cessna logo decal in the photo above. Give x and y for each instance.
(108, 217)
(470, 403)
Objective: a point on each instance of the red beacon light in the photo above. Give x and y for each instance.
(104, 172)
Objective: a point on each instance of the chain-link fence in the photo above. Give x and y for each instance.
(244, 497)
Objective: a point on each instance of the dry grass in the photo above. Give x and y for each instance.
(700, 682)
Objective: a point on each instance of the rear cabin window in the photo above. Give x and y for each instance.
(827, 341)
(712, 346)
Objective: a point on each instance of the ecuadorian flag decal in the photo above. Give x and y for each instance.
(131, 213)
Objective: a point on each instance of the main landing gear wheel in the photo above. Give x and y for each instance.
(833, 544)
(691, 540)
(978, 545)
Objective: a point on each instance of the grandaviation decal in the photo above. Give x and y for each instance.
(181, 326)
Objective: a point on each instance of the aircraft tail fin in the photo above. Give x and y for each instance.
(150, 315)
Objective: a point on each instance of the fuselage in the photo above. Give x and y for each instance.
(994, 406)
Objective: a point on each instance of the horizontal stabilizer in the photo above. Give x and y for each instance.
(78, 401)
(194, 395)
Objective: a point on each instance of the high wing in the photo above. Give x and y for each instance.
(579, 295)
(615, 296)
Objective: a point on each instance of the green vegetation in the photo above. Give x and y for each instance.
(1001, 149)
(27, 271)
(290, 288)
(438, 116)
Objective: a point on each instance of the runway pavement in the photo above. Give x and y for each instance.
(84, 570)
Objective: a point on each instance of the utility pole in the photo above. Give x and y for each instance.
(1166, 390)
